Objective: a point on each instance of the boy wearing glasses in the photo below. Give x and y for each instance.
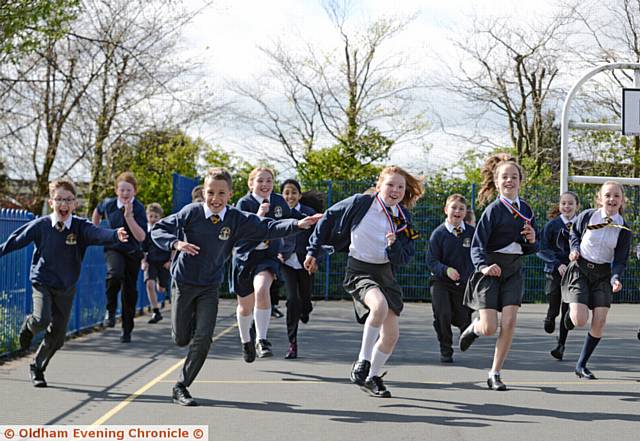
(61, 240)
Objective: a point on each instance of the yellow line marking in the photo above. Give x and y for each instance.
(107, 416)
(255, 381)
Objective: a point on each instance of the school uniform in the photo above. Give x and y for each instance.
(55, 269)
(298, 282)
(498, 239)
(251, 257)
(156, 259)
(603, 259)
(196, 279)
(449, 248)
(123, 261)
(359, 224)
(554, 251)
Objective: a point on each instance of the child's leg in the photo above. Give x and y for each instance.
(488, 322)
(389, 334)
(294, 303)
(262, 313)
(378, 310)
(40, 318)
(130, 293)
(244, 315)
(578, 313)
(592, 339)
(442, 316)
(61, 304)
(115, 276)
(507, 329)
(151, 293)
(564, 332)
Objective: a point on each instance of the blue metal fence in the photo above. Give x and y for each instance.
(182, 186)
(15, 288)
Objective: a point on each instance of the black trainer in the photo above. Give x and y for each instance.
(276, 313)
(584, 372)
(155, 317)
(109, 320)
(558, 352)
(360, 372)
(181, 396)
(495, 383)
(567, 322)
(549, 325)
(25, 335)
(263, 348)
(467, 337)
(376, 388)
(125, 337)
(37, 376)
(638, 334)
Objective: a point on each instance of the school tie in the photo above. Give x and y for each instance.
(122, 209)
(517, 207)
(607, 221)
(214, 219)
(59, 226)
(457, 231)
(569, 225)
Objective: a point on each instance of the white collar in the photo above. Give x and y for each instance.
(572, 220)
(259, 198)
(208, 213)
(616, 217)
(517, 200)
(120, 204)
(54, 220)
(298, 207)
(394, 209)
(450, 227)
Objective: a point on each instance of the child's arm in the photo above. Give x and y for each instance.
(165, 232)
(620, 257)
(101, 236)
(434, 258)
(253, 227)
(96, 217)
(20, 238)
(401, 250)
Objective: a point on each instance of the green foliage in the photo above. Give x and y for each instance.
(336, 164)
(238, 167)
(153, 159)
(26, 24)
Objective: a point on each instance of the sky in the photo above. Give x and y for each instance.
(226, 36)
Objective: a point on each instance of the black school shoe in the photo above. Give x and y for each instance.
(558, 352)
(249, 351)
(25, 335)
(584, 372)
(549, 325)
(125, 337)
(276, 313)
(375, 387)
(180, 395)
(467, 337)
(109, 320)
(37, 376)
(155, 317)
(495, 383)
(567, 322)
(638, 334)
(360, 372)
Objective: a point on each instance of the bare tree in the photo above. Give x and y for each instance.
(312, 98)
(508, 70)
(116, 74)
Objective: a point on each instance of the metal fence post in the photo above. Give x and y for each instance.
(473, 197)
(327, 259)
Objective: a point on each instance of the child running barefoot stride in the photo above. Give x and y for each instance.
(505, 232)
(554, 251)
(376, 230)
(600, 244)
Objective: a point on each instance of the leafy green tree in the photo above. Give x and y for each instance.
(26, 24)
(153, 158)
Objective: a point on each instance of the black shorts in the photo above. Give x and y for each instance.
(587, 283)
(361, 277)
(487, 292)
(157, 271)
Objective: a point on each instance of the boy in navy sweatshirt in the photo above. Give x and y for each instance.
(204, 234)
(61, 240)
(449, 260)
(155, 264)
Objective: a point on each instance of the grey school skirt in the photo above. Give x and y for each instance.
(587, 283)
(360, 277)
(486, 292)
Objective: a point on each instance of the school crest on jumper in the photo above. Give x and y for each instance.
(225, 233)
(71, 239)
(466, 242)
(277, 212)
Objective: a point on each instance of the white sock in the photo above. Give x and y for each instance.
(244, 326)
(492, 373)
(262, 318)
(377, 361)
(474, 323)
(369, 337)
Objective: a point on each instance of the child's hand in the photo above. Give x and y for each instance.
(574, 255)
(122, 234)
(311, 264)
(280, 257)
(144, 265)
(453, 274)
(264, 208)
(309, 221)
(167, 264)
(492, 270)
(391, 238)
(128, 210)
(562, 268)
(616, 285)
(529, 233)
(186, 247)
